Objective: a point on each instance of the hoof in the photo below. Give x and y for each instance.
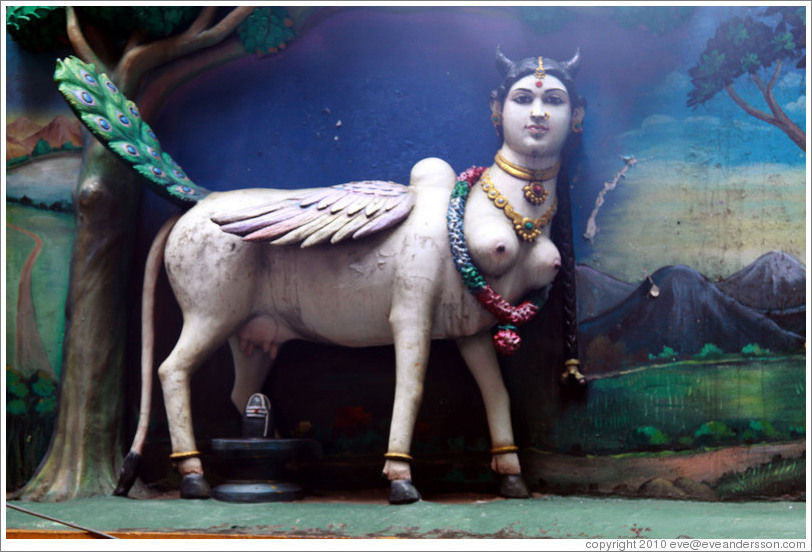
(401, 491)
(512, 486)
(129, 471)
(194, 485)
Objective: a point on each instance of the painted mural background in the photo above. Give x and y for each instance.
(690, 225)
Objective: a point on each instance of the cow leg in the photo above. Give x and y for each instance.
(196, 343)
(412, 342)
(480, 356)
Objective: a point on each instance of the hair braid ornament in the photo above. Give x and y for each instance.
(507, 339)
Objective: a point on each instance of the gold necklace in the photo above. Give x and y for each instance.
(526, 228)
(534, 191)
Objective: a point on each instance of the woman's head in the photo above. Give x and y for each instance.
(543, 80)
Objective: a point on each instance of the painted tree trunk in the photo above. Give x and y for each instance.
(85, 451)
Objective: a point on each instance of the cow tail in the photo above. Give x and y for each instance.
(129, 470)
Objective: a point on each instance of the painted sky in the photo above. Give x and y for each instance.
(368, 92)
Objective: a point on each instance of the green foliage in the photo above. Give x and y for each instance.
(31, 411)
(44, 385)
(746, 45)
(36, 28)
(667, 354)
(155, 21)
(759, 430)
(685, 441)
(16, 407)
(116, 21)
(162, 21)
(773, 479)
(714, 433)
(42, 148)
(35, 393)
(754, 350)
(266, 30)
(709, 351)
(60, 206)
(45, 406)
(650, 437)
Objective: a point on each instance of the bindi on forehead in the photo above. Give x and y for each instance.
(540, 73)
(532, 82)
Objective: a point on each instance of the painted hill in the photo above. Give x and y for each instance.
(21, 128)
(774, 281)
(775, 285)
(23, 134)
(689, 312)
(598, 292)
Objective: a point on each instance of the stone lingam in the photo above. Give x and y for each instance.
(256, 462)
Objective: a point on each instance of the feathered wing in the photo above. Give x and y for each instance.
(314, 216)
(116, 122)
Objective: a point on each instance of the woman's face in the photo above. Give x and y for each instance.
(536, 119)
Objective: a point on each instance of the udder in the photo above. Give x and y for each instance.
(262, 332)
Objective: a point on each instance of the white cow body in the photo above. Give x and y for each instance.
(399, 286)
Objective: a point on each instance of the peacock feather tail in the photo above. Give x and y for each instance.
(117, 123)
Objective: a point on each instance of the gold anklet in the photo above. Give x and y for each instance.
(184, 455)
(402, 456)
(507, 449)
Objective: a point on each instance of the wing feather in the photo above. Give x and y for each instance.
(311, 217)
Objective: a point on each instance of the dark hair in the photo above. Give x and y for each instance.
(513, 71)
(564, 71)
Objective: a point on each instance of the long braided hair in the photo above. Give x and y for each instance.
(564, 71)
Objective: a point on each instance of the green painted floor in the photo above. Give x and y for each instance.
(557, 517)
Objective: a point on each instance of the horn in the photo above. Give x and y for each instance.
(572, 65)
(503, 64)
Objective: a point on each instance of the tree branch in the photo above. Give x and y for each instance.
(779, 118)
(79, 42)
(139, 60)
(757, 113)
(767, 92)
(775, 74)
(203, 20)
(153, 96)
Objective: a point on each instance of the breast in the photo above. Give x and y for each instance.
(492, 244)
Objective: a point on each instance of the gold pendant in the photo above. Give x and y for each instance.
(535, 192)
(526, 228)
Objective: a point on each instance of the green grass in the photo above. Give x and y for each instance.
(778, 477)
(49, 285)
(693, 402)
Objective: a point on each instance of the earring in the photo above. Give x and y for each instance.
(496, 119)
(577, 127)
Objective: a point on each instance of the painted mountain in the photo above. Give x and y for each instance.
(598, 292)
(689, 312)
(774, 285)
(23, 134)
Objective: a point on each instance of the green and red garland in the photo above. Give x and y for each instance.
(506, 340)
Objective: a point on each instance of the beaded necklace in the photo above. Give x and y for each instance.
(506, 340)
(526, 228)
